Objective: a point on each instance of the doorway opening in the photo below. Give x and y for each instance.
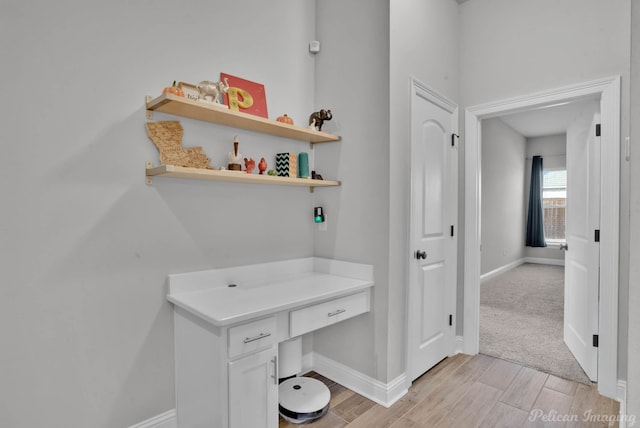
(522, 293)
(608, 91)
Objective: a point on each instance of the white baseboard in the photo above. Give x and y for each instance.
(501, 270)
(307, 362)
(167, 419)
(621, 396)
(516, 263)
(543, 261)
(382, 393)
(458, 345)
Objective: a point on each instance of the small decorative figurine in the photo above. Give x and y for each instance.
(285, 119)
(262, 166)
(173, 89)
(272, 172)
(303, 165)
(206, 88)
(320, 117)
(234, 158)
(312, 125)
(249, 165)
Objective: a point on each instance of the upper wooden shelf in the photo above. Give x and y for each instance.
(180, 106)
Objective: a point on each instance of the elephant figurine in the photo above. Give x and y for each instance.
(207, 88)
(318, 118)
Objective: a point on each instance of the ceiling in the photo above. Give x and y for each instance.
(544, 121)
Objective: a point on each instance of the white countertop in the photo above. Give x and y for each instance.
(265, 289)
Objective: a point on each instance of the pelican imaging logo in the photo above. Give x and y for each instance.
(588, 416)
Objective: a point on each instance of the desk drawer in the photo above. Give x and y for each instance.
(252, 336)
(323, 314)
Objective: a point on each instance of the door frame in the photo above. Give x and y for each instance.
(419, 89)
(608, 89)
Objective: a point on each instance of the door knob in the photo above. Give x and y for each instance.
(564, 247)
(421, 255)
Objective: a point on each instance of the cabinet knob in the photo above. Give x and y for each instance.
(421, 255)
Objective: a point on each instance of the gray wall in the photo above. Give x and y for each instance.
(368, 216)
(553, 148)
(87, 333)
(503, 191)
(86, 245)
(516, 47)
(351, 69)
(633, 382)
(424, 44)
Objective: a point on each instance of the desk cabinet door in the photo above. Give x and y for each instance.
(253, 390)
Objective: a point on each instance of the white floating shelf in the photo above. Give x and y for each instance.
(234, 176)
(220, 114)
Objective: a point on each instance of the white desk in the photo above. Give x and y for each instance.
(226, 336)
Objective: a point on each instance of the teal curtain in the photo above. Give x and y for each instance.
(535, 216)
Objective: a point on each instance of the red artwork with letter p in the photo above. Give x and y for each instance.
(245, 96)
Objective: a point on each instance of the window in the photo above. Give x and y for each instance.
(554, 202)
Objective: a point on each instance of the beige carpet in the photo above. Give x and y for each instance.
(521, 320)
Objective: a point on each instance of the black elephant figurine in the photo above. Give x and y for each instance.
(317, 118)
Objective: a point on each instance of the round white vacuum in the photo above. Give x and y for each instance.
(303, 400)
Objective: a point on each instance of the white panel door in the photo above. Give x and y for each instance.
(582, 253)
(432, 268)
(253, 390)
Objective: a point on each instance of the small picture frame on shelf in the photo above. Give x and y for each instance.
(245, 96)
(190, 91)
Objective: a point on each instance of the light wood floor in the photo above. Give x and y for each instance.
(478, 391)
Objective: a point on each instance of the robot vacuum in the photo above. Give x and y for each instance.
(303, 400)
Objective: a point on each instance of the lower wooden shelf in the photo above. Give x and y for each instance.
(234, 176)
